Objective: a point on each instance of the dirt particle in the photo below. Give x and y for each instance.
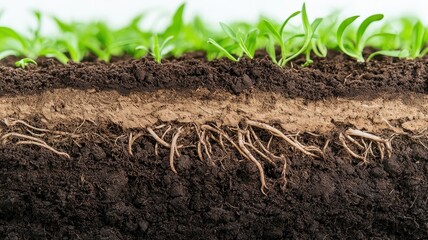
(116, 184)
(218, 215)
(144, 225)
(393, 166)
(177, 190)
(378, 172)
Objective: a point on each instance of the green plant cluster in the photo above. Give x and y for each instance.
(283, 41)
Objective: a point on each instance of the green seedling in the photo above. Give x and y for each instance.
(355, 48)
(286, 55)
(417, 44)
(246, 42)
(275, 36)
(14, 44)
(24, 62)
(282, 41)
(222, 50)
(158, 49)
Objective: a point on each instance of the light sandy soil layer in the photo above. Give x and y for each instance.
(139, 110)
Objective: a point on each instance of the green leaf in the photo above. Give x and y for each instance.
(315, 24)
(390, 53)
(270, 49)
(273, 31)
(24, 62)
(281, 29)
(166, 41)
(359, 42)
(417, 40)
(224, 51)
(177, 22)
(340, 32)
(51, 52)
(229, 31)
(6, 32)
(252, 41)
(309, 33)
(319, 48)
(381, 35)
(63, 26)
(38, 16)
(156, 49)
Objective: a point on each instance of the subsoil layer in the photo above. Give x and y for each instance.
(104, 193)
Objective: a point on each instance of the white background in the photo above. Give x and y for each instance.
(17, 12)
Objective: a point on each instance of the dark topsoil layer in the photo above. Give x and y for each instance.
(103, 193)
(335, 76)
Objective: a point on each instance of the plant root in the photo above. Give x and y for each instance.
(157, 138)
(10, 122)
(250, 157)
(384, 145)
(284, 172)
(310, 151)
(32, 141)
(131, 141)
(223, 134)
(174, 149)
(161, 141)
(44, 146)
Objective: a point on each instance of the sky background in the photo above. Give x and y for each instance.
(16, 13)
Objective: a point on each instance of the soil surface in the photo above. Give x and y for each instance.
(335, 76)
(104, 193)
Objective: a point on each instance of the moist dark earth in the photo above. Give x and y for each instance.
(104, 193)
(334, 76)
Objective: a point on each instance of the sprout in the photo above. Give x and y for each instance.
(158, 50)
(246, 42)
(351, 49)
(24, 62)
(282, 41)
(286, 55)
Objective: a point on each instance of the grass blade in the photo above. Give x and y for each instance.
(364, 25)
(417, 40)
(340, 33)
(273, 31)
(224, 51)
(281, 30)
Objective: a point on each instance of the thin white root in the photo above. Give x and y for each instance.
(358, 133)
(284, 171)
(130, 145)
(342, 140)
(259, 142)
(13, 122)
(204, 143)
(250, 157)
(161, 141)
(157, 138)
(44, 146)
(324, 149)
(260, 153)
(220, 132)
(199, 144)
(131, 141)
(18, 135)
(278, 133)
(173, 149)
(354, 141)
